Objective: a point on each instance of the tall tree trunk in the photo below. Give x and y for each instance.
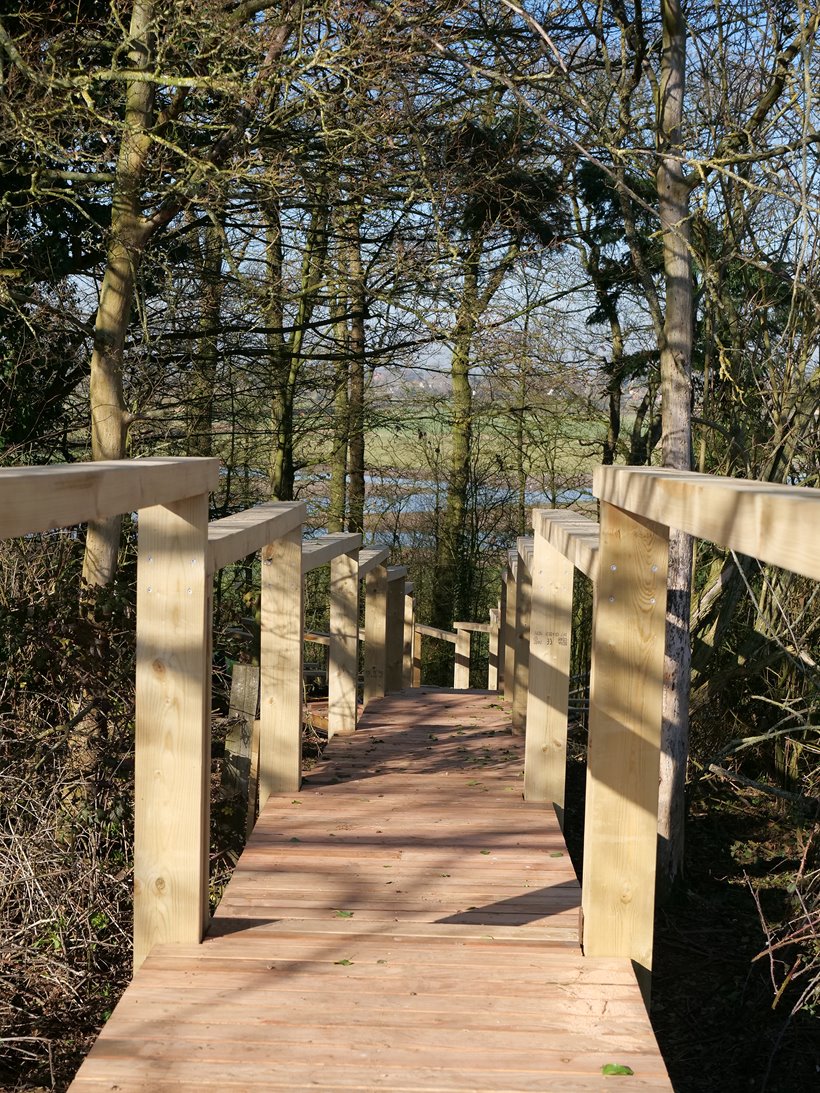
(676, 402)
(201, 408)
(452, 577)
(109, 421)
(341, 421)
(286, 354)
(358, 304)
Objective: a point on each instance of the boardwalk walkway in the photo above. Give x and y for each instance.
(405, 922)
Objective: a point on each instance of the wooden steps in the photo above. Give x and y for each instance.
(404, 922)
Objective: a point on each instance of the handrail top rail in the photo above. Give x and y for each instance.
(234, 537)
(36, 499)
(576, 537)
(324, 548)
(475, 627)
(524, 549)
(370, 558)
(775, 523)
(395, 572)
(436, 632)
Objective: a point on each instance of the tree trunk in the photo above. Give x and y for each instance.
(341, 422)
(287, 353)
(201, 409)
(126, 242)
(358, 303)
(676, 401)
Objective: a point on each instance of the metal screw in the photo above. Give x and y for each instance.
(654, 569)
(189, 591)
(149, 588)
(652, 600)
(613, 568)
(612, 599)
(150, 557)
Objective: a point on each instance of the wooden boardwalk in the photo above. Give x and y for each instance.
(405, 922)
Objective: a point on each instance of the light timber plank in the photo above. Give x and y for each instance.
(246, 532)
(324, 548)
(375, 634)
(461, 670)
(775, 523)
(407, 639)
(474, 627)
(416, 677)
(508, 652)
(436, 632)
(395, 628)
(343, 657)
(493, 659)
(549, 666)
(40, 498)
(370, 558)
(572, 535)
(280, 705)
(523, 596)
(620, 836)
(172, 749)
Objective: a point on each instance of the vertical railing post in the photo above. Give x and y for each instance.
(523, 594)
(545, 753)
(492, 661)
(343, 649)
(407, 644)
(375, 633)
(508, 654)
(502, 630)
(461, 670)
(394, 640)
(280, 667)
(416, 677)
(173, 747)
(626, 687)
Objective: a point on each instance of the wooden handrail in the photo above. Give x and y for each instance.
(324, 548)
(36, 499)
(244, 533)
(774, 523)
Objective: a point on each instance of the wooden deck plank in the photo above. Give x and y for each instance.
(403, 922)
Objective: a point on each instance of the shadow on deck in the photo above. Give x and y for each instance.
(404, 922)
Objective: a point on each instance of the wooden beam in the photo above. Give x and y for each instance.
(395, 628)
(375, 631)
(173, 745)
(324, 548)
(525, 547)
(474, 627)
(316, 637)
(461, 669)
(245, 533)
(343, 656)
(280, 705)
(502, 630)
(40, 498)
(545, 752)
(572, 535)
(370, 558)
(777, 524)
(407, 642)
(435, 632)
(620, 833)
(508, 646)
(492, 663)
(415, 679)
